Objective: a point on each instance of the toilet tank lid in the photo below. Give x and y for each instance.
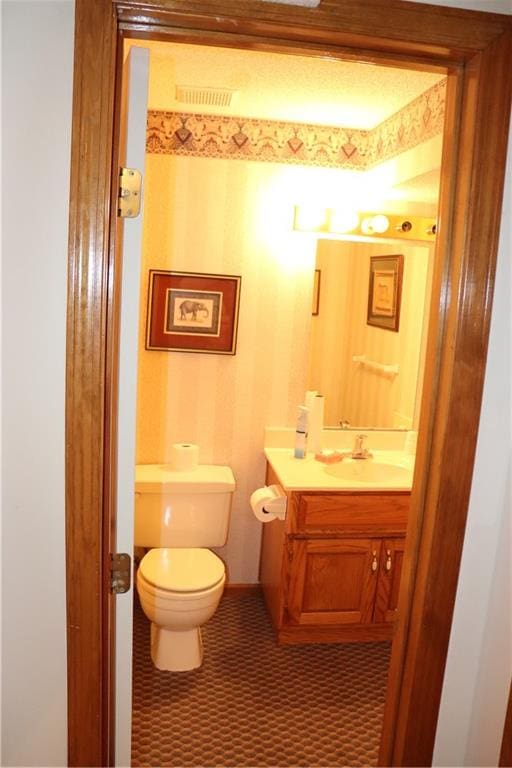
(205, 478)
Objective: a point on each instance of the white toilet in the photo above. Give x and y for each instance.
(179, 581)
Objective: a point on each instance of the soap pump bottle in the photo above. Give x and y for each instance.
(301, 433)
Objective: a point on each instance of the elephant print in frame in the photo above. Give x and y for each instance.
(193, 312)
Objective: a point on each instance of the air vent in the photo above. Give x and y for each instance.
(209, 97)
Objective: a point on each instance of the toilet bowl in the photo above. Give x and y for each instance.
(179, 515)
(179, 591)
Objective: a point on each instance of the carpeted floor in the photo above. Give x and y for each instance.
(253, 703)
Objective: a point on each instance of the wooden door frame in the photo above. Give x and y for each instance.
(477, 49)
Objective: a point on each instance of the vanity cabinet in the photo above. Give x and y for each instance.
(331, 571)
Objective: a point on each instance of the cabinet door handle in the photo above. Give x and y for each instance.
(388, 560)
(375, 563)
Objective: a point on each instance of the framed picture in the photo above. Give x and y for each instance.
(193, 312)
(316, 292)
(385, 291)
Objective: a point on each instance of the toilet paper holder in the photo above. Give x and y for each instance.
(269, 503)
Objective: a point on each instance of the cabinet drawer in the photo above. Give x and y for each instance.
(366, 513)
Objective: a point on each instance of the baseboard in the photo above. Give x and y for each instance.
(242, 589)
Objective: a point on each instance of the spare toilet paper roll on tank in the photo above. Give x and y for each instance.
(184, 457)
(269, 503)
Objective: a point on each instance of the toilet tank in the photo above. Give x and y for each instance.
(182, 509)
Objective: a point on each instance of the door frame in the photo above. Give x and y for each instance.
(477, 49)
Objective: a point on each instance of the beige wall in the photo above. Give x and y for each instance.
(223, 217)
(340, 332)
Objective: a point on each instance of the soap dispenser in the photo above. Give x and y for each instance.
(301, 433)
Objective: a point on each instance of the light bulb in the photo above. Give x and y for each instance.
(367, 226)
(309, 218)
(342, 220)
(380, 223)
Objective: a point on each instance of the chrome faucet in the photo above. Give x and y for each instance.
(359, 451)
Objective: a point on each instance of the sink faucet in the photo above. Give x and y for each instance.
(359, 451)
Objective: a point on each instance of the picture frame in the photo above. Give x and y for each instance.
(316, 292)
(192, 312)
(385, 291)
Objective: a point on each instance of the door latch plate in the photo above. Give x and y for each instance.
(121, 571)
(130, 183)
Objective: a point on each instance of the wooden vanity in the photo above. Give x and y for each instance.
(330, 572)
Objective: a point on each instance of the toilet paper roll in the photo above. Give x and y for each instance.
(310, 396)
(269, 503)
(184, 457)
(316, 423)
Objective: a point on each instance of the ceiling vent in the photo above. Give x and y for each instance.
(205, 97)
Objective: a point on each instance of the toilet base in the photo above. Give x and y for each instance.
(174, 651)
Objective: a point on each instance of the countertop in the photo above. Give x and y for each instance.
(386, 471)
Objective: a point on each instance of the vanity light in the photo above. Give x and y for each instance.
(342, 220)
(375, 225)
(380, 223)
(309, 218)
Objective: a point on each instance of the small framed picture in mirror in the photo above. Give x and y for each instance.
(385, 291)
(316, 292)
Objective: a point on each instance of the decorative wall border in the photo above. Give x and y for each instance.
(415, 123)
(271, 141)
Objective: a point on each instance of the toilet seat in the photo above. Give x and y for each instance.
(184, 570)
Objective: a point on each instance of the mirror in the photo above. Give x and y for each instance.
(369, 374)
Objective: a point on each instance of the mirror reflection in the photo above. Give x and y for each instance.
(369, 373)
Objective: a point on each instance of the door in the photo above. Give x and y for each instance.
(333, 581)
(129, 242)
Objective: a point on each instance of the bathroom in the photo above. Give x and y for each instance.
(210, 214)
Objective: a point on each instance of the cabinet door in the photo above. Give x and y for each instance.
(333, 581)
(388, 585)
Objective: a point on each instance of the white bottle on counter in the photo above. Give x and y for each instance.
(301, 433)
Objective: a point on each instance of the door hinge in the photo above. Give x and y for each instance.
(128, 202)
(120, 572)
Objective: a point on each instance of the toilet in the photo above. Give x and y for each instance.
(178, 516)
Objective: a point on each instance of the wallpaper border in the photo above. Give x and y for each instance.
(271, 141)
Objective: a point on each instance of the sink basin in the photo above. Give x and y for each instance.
(371, 472)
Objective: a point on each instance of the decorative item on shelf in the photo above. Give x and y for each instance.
(192, 312)
(385, 291)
